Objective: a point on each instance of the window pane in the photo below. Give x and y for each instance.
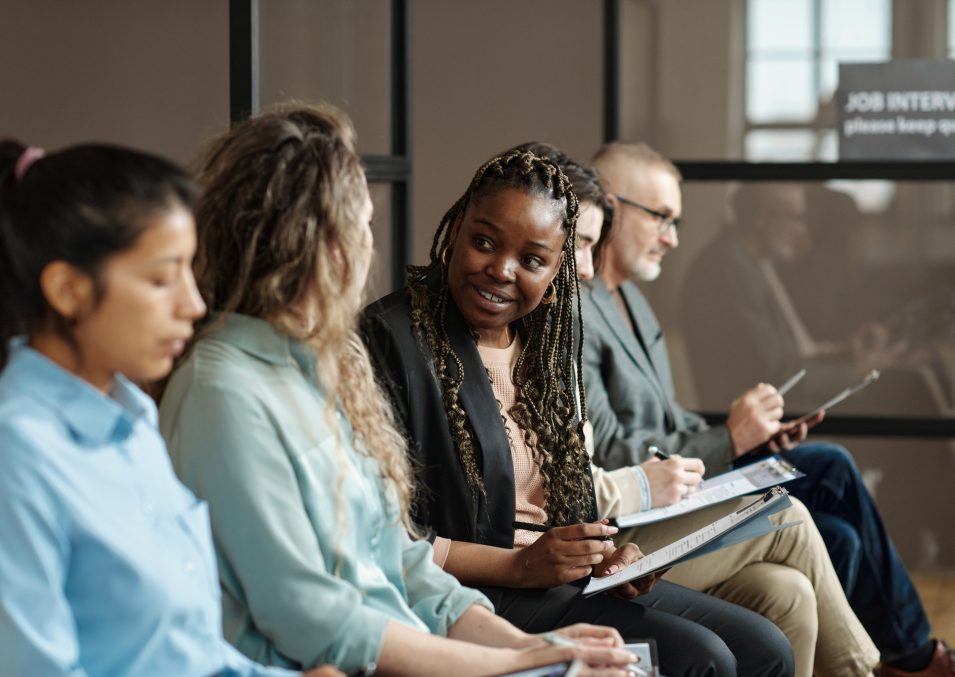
(780, 145)
(827, 146)
(332, 50)
(829, 66)
(779, 25)
(872, 251)
(951, 29)
(856, 24)
(779, 91)
(801, 278)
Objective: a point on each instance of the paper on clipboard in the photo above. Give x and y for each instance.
(845, 394)
(748, 522)
(731, 484)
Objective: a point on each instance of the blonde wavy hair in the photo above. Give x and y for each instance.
(278, 230)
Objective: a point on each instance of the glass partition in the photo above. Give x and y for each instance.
(331, 50)
(838, 278)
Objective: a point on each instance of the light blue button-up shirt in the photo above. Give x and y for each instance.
(106, 563)
(313, 558)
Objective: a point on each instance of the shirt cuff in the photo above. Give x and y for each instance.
(441, 546)
(626, 496)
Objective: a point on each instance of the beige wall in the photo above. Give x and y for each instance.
(149, 74)
(493, 73)
(486, 75)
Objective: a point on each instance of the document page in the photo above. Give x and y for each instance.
(712, 537)
(756, 477)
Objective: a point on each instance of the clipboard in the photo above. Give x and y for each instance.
(758, 476)
(844, 395)
(748, 522)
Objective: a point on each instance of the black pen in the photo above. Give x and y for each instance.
(658, 452)
(543, 528)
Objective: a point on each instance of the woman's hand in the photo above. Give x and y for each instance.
(621, 558)
(563, 554)
(598, 661)
(594, 635)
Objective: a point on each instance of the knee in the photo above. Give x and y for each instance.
(782, 594)
(842, 539)
(791, 601)
(777, 656)
(707, 655)
(844, 543)
(836, 456)
(763, 651)
(771, 651)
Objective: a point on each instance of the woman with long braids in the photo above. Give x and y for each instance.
(274, 418)
(479, 357)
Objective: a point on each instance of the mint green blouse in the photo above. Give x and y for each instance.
(313, 559)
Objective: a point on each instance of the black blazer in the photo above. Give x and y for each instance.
(405, 367)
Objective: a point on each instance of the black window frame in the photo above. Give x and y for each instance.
(395, 168)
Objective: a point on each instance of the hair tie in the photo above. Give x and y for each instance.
(30, 155)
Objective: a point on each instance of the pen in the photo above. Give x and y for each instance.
(559, 640)
(788, 385)
(658, 452)
(543, 528)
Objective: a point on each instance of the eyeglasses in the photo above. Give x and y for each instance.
(665, 220)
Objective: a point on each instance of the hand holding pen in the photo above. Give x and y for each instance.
(670, 476)
(754, 422)
(577, 669)
(563, 554)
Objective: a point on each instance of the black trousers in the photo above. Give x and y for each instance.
(696, 634)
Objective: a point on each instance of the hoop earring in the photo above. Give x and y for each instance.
(443, 257)
(550, 295)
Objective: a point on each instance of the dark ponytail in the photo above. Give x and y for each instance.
(81, 205)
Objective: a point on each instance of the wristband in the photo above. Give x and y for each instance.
(644, 488)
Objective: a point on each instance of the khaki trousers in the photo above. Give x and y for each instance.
(786, 576)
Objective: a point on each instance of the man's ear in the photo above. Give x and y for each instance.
(68, 290)
(614, 202)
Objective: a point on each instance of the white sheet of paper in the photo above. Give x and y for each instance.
(756, 477)
(667, 556)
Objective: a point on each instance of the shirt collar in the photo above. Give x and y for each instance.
(259, 338)
(92, 416)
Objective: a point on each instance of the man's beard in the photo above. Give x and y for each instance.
(646, 271)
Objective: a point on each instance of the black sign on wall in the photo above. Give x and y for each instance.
(898, 110)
